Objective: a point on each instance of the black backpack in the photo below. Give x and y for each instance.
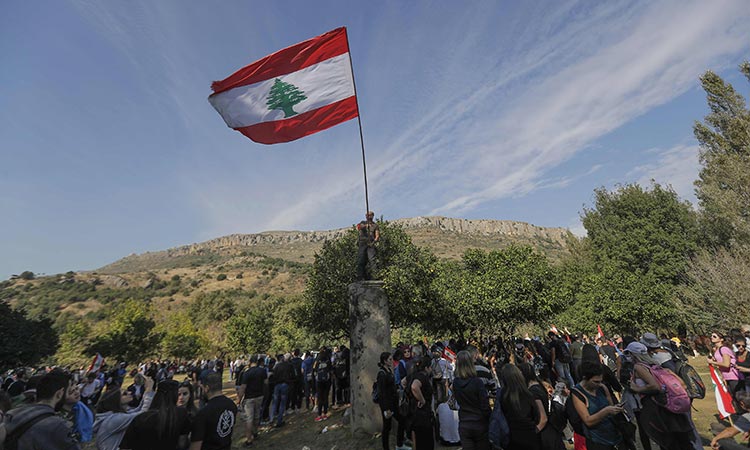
(323, 373)
(11, 440)
(575, 421)
(562, 352)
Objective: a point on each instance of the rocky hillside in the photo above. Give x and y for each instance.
(447, 237)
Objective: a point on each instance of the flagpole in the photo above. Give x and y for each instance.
(359, 120)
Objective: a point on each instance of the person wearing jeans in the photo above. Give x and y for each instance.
(283, 374)
(280, 396)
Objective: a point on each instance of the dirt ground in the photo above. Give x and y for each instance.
(301, 432)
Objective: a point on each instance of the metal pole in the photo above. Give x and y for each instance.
(359, 121)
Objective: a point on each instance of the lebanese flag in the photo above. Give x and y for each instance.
(449, 355)
(96, 363)
(599, 332)
(723, 396)
(292, 93)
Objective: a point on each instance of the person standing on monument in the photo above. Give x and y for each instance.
(369, 235)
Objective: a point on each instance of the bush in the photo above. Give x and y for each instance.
(221, 277)
(239, 276)
(26, 275)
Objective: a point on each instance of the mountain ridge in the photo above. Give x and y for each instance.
(444, 235)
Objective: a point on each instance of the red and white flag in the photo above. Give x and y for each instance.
(599, 332)
(723, 396)
(449, 355)
(96, 363)
(292, 93)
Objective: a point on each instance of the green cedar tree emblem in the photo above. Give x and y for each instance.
(284, 96)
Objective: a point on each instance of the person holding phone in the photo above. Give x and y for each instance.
(594, 405)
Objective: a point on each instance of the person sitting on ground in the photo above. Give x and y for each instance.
(214, 423)
(37, 426)
(724, 438)
(114, 414)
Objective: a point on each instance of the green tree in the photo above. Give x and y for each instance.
(625, 274)
(26, 275)
(24, 341)
(181, 338)
(284, 96)
(73, 341)
(250, 332)
(723, 187)
(642, 231)
(408, 272)
(130, 334)
(492, 293)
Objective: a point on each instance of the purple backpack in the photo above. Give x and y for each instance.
(675, 394)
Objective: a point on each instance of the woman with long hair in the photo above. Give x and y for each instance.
(551, 439)
(388, 401)
(521, 410)
(186, 398)
(594, 405)
(670, 430)
(162, 425)
(743, 363)
(474, 404)
(724, 360)
(419, 386)
(113, 415)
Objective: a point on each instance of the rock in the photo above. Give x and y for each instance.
(113, 281)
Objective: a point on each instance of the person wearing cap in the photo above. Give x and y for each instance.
(660, 355)
(670, 430)
(368, 235)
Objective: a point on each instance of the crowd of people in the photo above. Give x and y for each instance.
(527, 393)
(54, 408)
(541, 393)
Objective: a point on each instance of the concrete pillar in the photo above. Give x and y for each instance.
(370, 335)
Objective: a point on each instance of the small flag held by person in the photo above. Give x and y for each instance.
(295, 92)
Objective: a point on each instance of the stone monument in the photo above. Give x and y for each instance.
(370, 335)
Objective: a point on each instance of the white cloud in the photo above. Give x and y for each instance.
(677, 166)
(572, 78)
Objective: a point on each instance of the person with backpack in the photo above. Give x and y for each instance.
(323, 374)
(474, 405)
(561, 357)
(341, 372)
(387, 399)
(665, 403)
(37, 425)
(550, 437)
(419, 389)
(594, 409)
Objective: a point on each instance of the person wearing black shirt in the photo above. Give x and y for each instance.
(283, 374)
(474, 411)
(250, 396)
(297, 388)
(420, 385)
(214, 423)
(388, 401)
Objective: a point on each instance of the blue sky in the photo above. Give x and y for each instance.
(497, 110)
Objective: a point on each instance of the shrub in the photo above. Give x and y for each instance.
(221, 277)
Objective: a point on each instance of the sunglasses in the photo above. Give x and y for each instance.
(714, 336)
(740, 346)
